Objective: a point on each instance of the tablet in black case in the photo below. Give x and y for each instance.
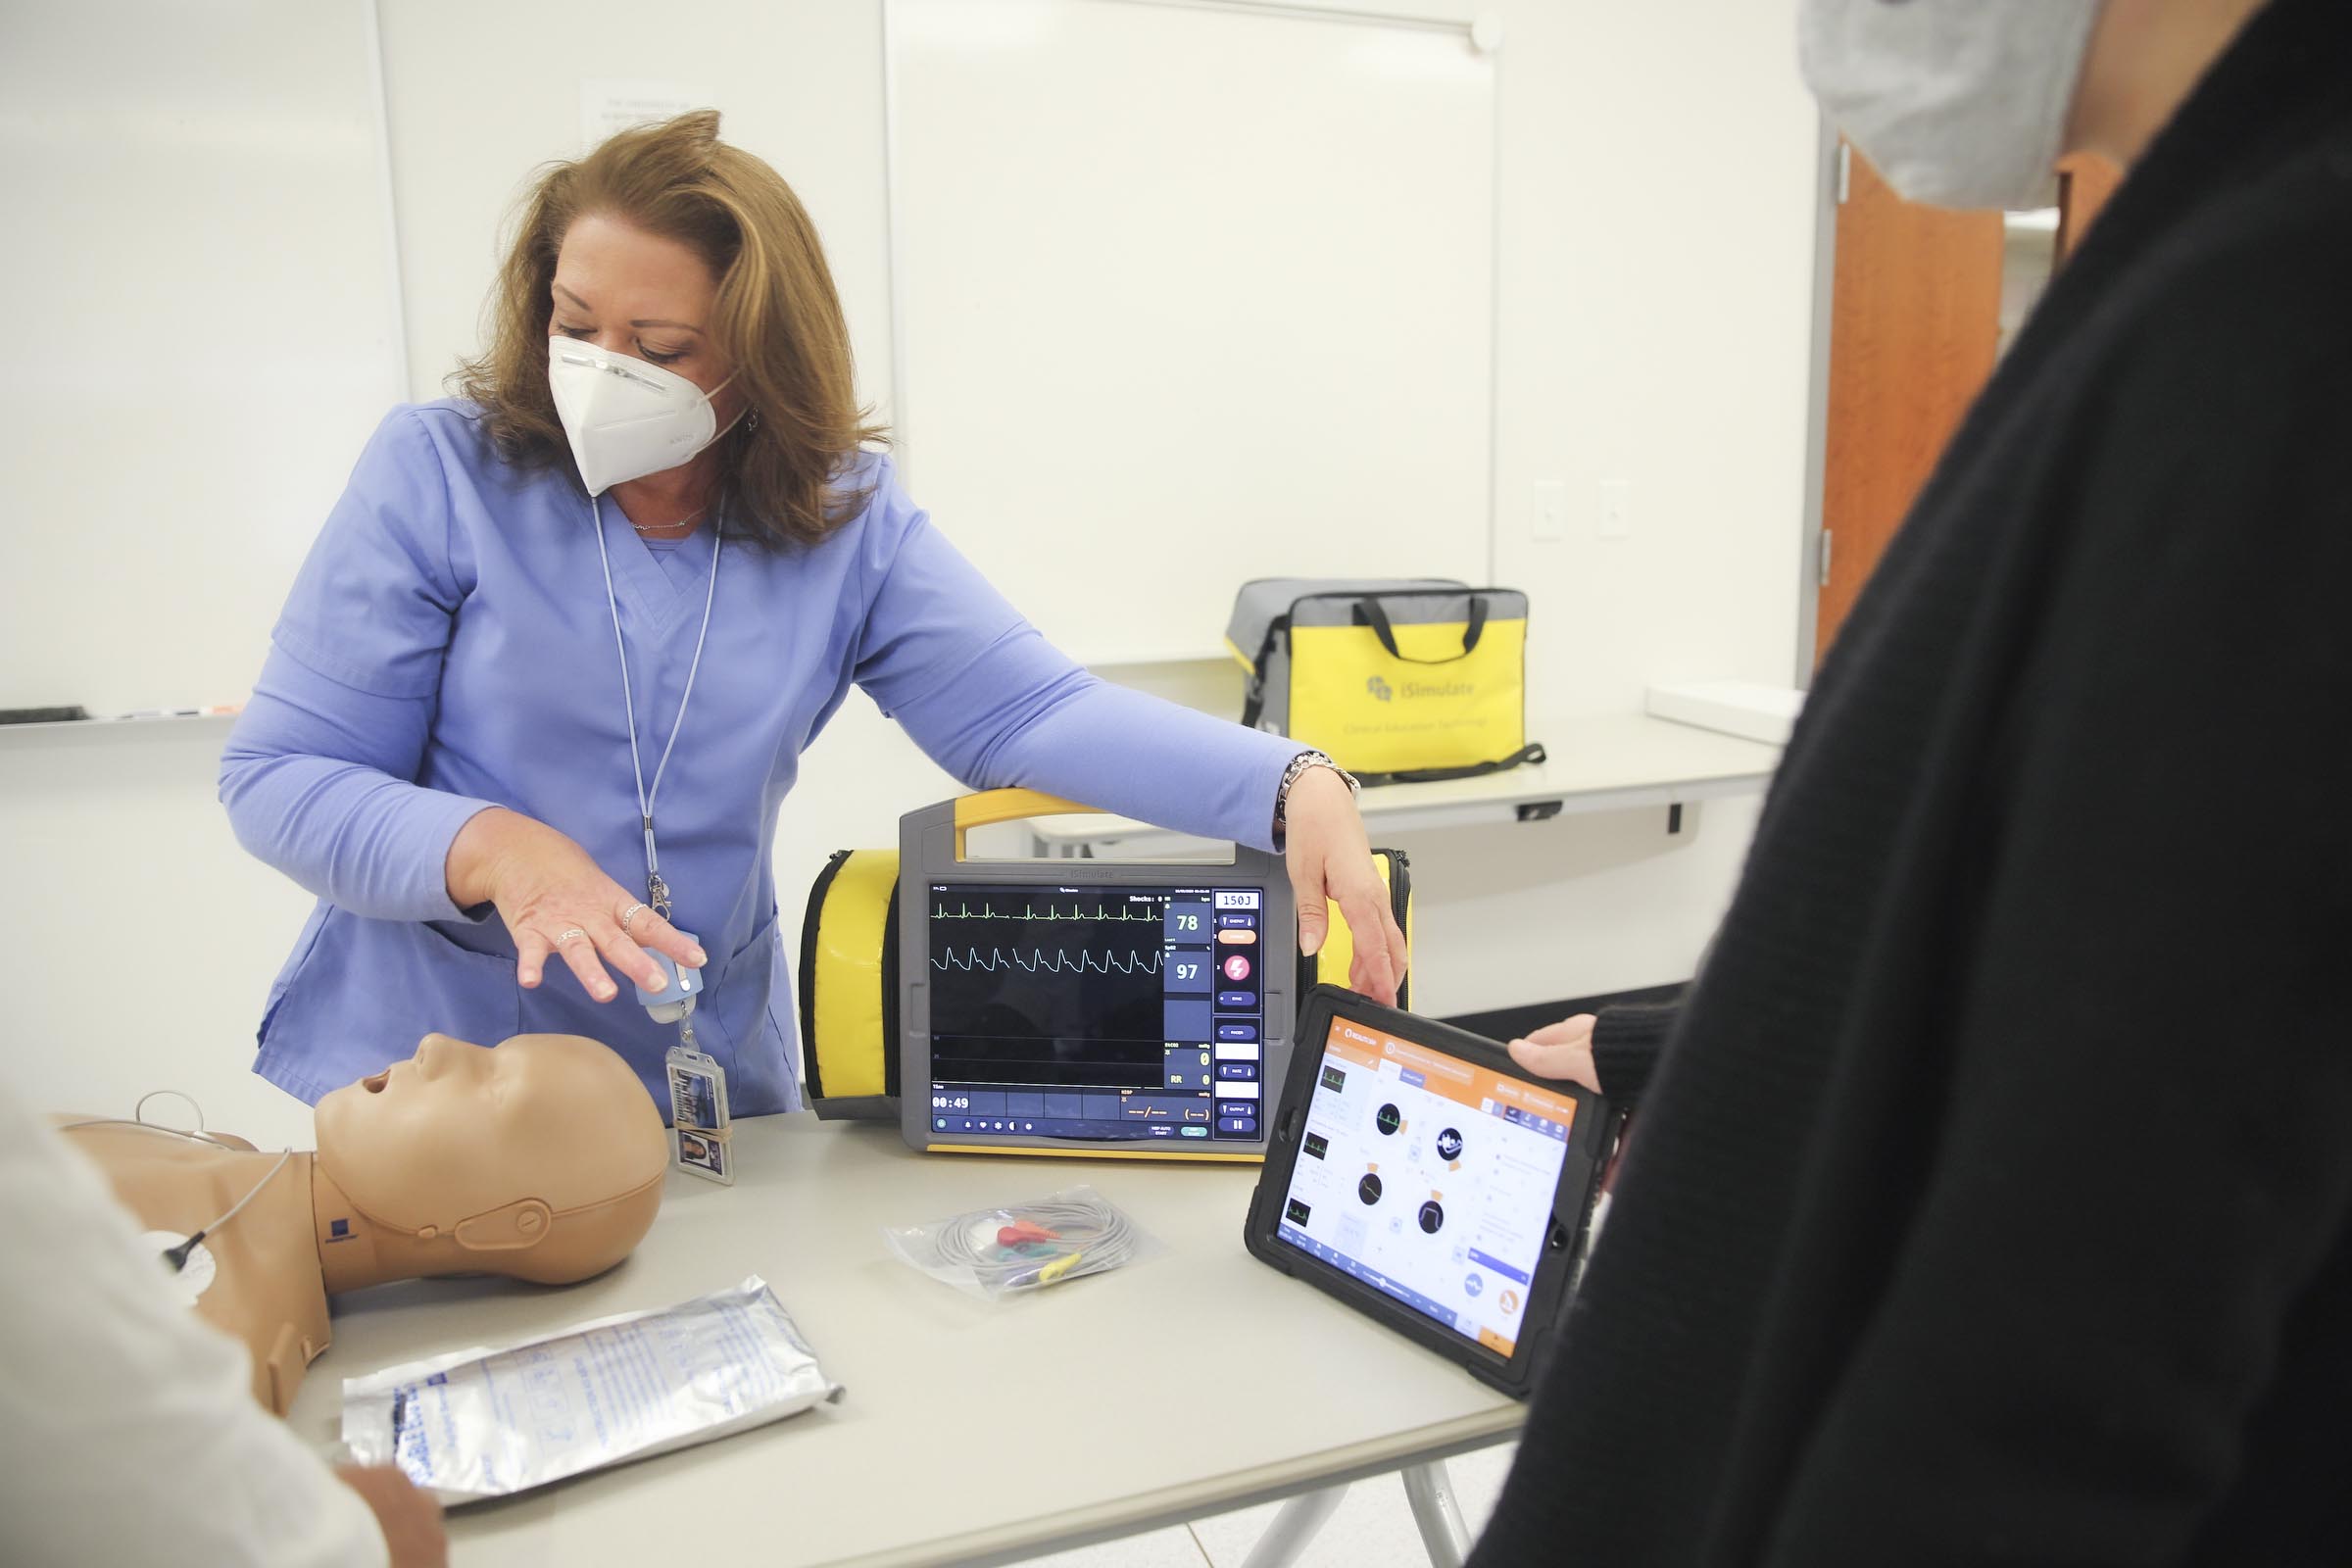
(1418, 1174)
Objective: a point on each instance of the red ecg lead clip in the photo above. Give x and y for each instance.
(1023, 1232)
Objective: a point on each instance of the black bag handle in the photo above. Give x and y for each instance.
(1253, 701)
(1368, 612)
(1532, 752)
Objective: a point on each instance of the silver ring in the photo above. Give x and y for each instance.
(575, 931)
(628, 914)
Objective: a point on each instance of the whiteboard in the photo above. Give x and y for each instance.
(205, 331)
(1187, 294)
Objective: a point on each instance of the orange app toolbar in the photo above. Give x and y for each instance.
(1479, 1088)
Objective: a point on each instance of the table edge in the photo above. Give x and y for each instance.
(1173, 1505)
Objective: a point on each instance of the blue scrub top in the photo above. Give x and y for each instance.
(447, 647)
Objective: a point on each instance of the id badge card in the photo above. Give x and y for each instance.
(698, 1115)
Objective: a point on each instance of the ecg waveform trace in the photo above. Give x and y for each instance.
(1052, 985)
(1042, 962)
(1148, 914)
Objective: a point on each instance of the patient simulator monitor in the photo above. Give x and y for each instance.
(1088, 1005)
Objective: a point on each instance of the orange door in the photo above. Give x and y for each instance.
(1914, 326)
(2084, 182)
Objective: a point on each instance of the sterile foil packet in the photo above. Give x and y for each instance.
(480, 1423)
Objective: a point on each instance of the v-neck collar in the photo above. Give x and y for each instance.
(658, 604)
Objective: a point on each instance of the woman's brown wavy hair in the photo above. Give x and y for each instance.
(778, 321)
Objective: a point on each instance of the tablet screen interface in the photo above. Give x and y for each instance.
(1429, 1178)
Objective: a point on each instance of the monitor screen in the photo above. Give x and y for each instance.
(1097, 1013)
(1429, 1178)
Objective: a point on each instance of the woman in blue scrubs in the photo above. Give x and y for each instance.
(553, 659)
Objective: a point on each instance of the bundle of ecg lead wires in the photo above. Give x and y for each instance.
(998, 1251)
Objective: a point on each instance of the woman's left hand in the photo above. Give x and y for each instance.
(1330, 859)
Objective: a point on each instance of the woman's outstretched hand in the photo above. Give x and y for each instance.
(555, 899)
(1331, 863)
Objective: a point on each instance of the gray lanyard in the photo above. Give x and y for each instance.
(657, 891)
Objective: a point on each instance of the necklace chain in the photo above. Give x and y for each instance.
(655, 528)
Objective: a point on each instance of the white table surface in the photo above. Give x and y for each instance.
(1613, 763)
(972, 1432)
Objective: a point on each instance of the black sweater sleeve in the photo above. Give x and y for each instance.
(1627, 1042)
(2143, 1160)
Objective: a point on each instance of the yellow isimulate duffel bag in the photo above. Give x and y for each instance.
(1399, 680)
(850, 990)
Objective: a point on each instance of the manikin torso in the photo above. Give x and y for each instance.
(542, 1159)
(257, 1278)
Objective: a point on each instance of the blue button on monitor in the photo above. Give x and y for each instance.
(1237, 998)
(1237, 1031)
(1241, 1071)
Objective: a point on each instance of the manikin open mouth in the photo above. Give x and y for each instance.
(374, 1083)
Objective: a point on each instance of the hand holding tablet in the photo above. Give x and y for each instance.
(1417, 1173)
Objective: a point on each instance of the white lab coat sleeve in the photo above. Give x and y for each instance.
(129, 1431)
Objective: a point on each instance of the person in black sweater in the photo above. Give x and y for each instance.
(1992, 1200)
(1619, 1047)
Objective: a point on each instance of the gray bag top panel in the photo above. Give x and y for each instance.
(1262, 602)
(1412, 607)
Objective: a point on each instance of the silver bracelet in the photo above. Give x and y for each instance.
(1299, 768)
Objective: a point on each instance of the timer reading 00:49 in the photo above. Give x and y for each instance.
(951, 1102)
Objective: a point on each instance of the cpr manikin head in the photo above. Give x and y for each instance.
(542, 1159)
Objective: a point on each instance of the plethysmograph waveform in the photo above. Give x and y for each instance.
(1042, 962)
(988, 911)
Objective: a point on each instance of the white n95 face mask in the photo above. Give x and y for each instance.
(625, 416)
(1961, 103)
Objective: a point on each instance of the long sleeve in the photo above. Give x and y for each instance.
(993, 702)
(319, 774)
(1627, 1042)
(2144, 1168)
(128, 1433)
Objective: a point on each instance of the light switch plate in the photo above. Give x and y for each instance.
(1552, 511)
(1616, 508)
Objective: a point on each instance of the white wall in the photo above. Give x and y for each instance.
(1655, 287)
(1653, 301)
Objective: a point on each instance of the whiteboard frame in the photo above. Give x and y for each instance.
(906, 461)
(372, 23)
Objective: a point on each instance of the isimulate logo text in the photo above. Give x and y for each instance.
(1413, 689)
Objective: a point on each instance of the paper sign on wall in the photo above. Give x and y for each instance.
(608, 105)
